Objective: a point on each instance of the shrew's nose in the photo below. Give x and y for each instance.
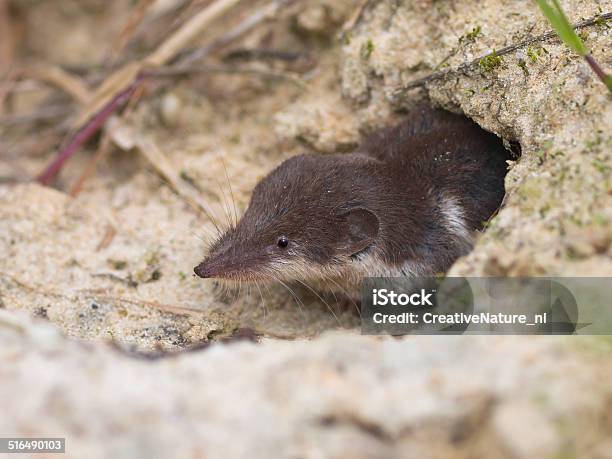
(202, 271)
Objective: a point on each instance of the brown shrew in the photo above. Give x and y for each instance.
(407, 202)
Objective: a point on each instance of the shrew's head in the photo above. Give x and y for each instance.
(305, 220)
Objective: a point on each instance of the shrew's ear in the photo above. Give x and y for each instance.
(360, 231)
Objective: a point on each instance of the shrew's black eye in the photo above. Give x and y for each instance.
(283, 241)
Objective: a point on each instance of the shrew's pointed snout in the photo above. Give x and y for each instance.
(202, 270)
(228, 264)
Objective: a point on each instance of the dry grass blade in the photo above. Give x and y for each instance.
(119, 87)
(127, 138)
(186, 34)
(103, 148)
(102, 151)
(162, 165)
(126, 75)
(109, 234)
(135, 19)
(109, 89)
(58, 77)
(243, 27)
(184, 70)
(88, 130)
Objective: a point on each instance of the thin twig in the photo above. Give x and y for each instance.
(603, 76)
(164, 168)
(265, 54)
(58, 77)
(163, 11)
(268, 11)
(117, 89)
(508, 49)
(135, 19)
(188, 32)
(102, 151)
(126, 137)
(109, 234)
(104, 147)
(134, 73)
(88, 130)
(184, 70)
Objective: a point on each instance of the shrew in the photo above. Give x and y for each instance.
(407, 202)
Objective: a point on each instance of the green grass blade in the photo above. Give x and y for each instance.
(555, 15)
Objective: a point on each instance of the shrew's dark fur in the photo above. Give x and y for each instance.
(405, 202)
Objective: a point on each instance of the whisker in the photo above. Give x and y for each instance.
(321, 298)
(298, 301)
(331, 290)
(229, 184)
(205, 230)
(200, 208)
(263, 303)
(226, 208)
(347, 295)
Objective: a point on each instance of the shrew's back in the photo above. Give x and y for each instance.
(444, 154)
